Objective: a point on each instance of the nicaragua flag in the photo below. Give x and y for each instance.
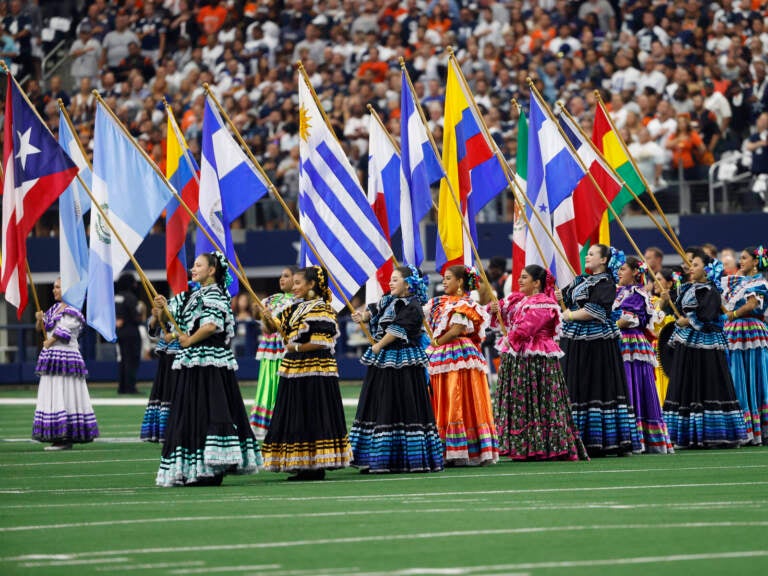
(475, 174)
(333, 209)
(132, 195)
(183, 174)
(35, 173)
(385, 184)
(229, 184)
(74, 203)
(421, 168)
(553, 174)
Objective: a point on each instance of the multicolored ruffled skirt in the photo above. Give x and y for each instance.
(266, 394)
(748, 363)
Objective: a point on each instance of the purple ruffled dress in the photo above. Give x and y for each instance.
(63, 412)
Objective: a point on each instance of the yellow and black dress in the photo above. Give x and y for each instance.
(308, 430)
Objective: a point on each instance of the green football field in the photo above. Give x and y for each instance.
(95, 510)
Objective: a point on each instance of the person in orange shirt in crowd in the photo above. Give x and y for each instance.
(373, 68)
(211, 18)
(686, 144)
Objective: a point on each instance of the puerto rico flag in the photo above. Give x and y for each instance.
(36, 173)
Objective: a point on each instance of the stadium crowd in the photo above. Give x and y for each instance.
(684, 80)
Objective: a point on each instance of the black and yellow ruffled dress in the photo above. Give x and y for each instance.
(308, 430)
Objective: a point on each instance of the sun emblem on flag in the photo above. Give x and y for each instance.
(102, 229)
(304, 124)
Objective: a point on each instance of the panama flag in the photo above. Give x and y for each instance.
(132, 195)
(333, 209)
(229, 184)
(74, 204)
(421, 168)
(519, 229)
(183, 174)
(474, 173)
(36, 173)
(386, 184)
(553, 174)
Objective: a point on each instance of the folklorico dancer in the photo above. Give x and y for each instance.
(63, 414)
(270, 354)
(532, 409)
(394, 428)
(668, 282)
(597, 383)
(208, 434)
(701, 408)
(636, 320)
(745, 298)
(308, 432)
(461, 399)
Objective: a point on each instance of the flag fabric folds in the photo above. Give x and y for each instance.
(386, 185)
(132, 195)
(607, 141)
(36, 173)
(333, 209)
(183, 174)
(474, 173)
(421, 168)
(553, 174)
(229, 184)
(74, 203)
(519, 228)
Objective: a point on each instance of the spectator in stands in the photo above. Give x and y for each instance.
(9, 49)
(211, 17)
(116, 43)
(55, 91)
(757, 146)
(717, 103)
(85, 53)
(19, 26)
(151, 30)
(649, 157)
(685, 145)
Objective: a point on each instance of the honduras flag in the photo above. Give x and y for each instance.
(333, 210)
(132, 194)
(74, 203)
(229, 184)
(421, 168)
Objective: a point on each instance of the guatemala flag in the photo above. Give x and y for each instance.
(229, 185)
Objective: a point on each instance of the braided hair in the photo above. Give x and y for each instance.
(317, 275)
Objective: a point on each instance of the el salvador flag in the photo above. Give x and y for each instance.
(421, 168)
(333, 209)
(229, 185)
(132, 195)
(74, 203)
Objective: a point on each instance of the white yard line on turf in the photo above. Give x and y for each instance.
(141, 401)
(248, 570)
(156, 566)
(655, 527)
(79, 462)
(406, 495)
(213, 569)
(53, 563)
(752, 505)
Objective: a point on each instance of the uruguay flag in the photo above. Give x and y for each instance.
(333, 210)
(132, 195)
(36, 172)
(553, 174)
(229, 185)
(421, 168)
(74, 203)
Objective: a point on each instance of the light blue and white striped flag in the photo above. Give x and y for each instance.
(133, 195)
(421, 168)
(333, 210)
(74, 203)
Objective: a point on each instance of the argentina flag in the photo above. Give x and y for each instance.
(333, 209)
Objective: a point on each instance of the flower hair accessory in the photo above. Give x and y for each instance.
(642, 271)
(615, 262)
(714, 271)
(417, 284)
(227, 278)
(472, 278)
(549, 284)
(761, 255)
(677, 280)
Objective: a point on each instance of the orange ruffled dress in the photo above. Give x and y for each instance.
(460, 395)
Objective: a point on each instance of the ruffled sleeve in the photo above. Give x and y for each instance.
(635, 306)
(506, 309)
(316, 325)
(600, 301)
(408, 321)
(534, 320)
(703, 310)
(215, 310)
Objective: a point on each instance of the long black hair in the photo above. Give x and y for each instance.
(537, 274)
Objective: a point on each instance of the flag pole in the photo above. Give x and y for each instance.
(588, 173)
(238, 269)
(146, 284)
(511, 179)
(679, 246)
(596, 150)
(395, 145)
(284, 205)
(457, 205)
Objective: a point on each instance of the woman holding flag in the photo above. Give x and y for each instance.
(637, 316)
(457, 369)
(269, 355)
(592, 364)
(308, 432)
(394, 428)
(533, 413)
(208, 434)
